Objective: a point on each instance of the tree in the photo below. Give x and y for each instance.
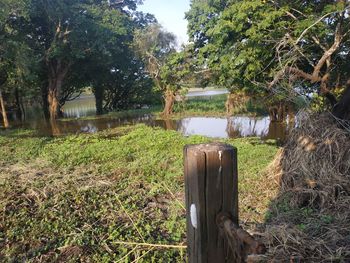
(11, 46)
(315, 49)
(3, 79)
(255, 45)
(177, 72)
(155, 46)
(68, 33)
(227, 48)
(113, 70)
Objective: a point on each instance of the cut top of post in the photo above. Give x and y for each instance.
(209, 147)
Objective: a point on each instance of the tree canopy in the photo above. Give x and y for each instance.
(273, 46)
(61, 47)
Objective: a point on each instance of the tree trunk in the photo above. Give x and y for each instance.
(278, 112)
(45, 102)
(342, 109)
(273, 113)
(55, 128)
(169, 98)
(19, 105)
(236, 102)
(281, 112)
(56, 75)
(3, 111)
(291, 114)
(170, 125)
(230, 104)
(54, 91)
(99, 94)
(54, 105)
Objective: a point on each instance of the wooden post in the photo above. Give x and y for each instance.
(211, 188)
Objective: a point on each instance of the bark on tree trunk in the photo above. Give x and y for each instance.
(290, 113)
(281, 112)
(169, 98)
(273, 113)
(57, 73)
(230, 104)
(53, 102)
(99, 94)
(19, 105)
(342, 109)
(278, 113)
(236, 102)
(3, 111)
(54, 89)
(55, 128)
(170, 124)
(45, 103)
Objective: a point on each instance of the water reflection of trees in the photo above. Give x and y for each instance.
(232, 127)
(170, 124)
(232, 130)
(242, 127)
(55, 128)
(277, 130)
(254, 127)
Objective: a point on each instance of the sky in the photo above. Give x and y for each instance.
(171, 14)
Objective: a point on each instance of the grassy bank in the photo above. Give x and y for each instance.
(82, 196)
(215, 106)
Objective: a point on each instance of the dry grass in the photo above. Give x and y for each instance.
(310, 219)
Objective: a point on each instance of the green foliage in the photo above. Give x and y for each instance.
(156, 47)
(73, 197)
(246, 44)
(84, 43)
(176, 70)
(319, 103)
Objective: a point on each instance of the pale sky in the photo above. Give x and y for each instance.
(171, 14)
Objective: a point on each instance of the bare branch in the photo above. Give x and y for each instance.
(295, 73)
(337, 41)
(317, 41)
(314, 24)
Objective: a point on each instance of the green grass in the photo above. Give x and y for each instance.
(214, 106)
(77, 197)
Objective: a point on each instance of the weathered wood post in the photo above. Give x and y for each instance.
(211, 189)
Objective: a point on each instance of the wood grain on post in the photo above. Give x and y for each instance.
(211, 188)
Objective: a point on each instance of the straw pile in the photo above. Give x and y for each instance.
(310, 218)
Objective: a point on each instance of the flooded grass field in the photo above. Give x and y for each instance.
(80, 118)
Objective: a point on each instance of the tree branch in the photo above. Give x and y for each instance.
(314, 24)
(329, 52)
(297, 75)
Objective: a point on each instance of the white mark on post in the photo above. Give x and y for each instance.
(193, 212)
(220, 171)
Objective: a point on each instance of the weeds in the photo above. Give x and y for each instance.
(92, 197)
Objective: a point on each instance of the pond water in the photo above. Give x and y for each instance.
(81, 107)
(206, 93)
(214, 127)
